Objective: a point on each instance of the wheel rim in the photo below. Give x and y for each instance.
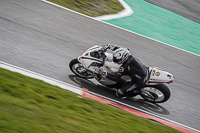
(152, 94)
(79, 70)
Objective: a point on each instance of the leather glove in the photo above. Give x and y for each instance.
(105, 47)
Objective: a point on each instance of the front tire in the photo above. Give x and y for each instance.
(156, 93)
(78, 69)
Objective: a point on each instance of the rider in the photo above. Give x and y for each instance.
(130, 66)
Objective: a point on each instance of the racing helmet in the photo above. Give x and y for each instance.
(121, 55)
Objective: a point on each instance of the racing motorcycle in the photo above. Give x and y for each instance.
(154, 91)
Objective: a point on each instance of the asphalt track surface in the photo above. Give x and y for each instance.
(186, 8)
(43, 38)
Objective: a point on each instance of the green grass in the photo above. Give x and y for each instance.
(28, 105)
(91, 8)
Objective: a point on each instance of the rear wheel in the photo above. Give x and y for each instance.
(78, 69)
(156, 93)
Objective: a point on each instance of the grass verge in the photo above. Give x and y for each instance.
(28, 105)
(91, 8)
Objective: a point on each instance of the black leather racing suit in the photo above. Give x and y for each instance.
(136, 70)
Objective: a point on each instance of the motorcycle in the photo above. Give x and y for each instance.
(155, 91)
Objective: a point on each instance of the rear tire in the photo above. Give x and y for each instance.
(77, 68)
(156, 93)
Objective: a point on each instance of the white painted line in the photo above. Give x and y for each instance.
(119, 27)
(146, 112)
(126, 12)
(51, 3)
(75, 89)
(46, 79)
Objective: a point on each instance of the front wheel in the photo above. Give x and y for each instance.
(156, 93)
(78, 69)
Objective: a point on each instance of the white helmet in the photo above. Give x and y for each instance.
(121, 55)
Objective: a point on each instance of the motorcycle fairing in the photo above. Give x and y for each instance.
(157, 75)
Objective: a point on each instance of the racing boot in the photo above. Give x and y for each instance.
(133, 93)
(120, 94)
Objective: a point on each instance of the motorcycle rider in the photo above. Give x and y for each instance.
(130, 66)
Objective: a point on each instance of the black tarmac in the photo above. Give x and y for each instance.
(43, 38)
